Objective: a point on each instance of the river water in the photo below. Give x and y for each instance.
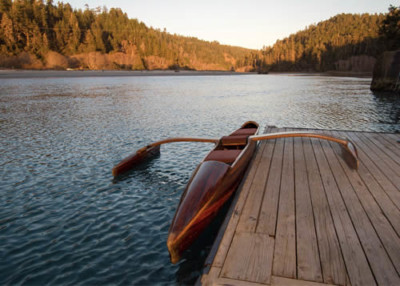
(64, 220)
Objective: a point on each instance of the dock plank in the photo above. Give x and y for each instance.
(356, 263)
(379, 261)
(250, 258)
(311, 220)
(285, 244)
(308, 262)
(394, 138)
(379, 175)
(383, 228)
(238, 209)
(249, 217)
(269, 207)
(384, 163)
(332, 263)
(282, 281)
(210, 277)
(388, 144)
(393, 159)
(387, 206)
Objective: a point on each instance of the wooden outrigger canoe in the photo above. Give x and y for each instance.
(216, 178)
(211, 185)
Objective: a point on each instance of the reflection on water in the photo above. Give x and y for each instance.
(389, 105)
(64, 220)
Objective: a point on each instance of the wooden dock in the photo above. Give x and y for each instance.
(303, 217)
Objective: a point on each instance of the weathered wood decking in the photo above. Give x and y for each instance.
(303, 217)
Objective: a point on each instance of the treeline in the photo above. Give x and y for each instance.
(389, 29)
(38, 34)
(333, 44)
(387, 68)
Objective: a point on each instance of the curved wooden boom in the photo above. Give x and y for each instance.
(152, 149)
(178, 139)
(149, 151)
(346, 145)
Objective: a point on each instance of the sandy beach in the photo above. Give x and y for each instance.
(106, 73)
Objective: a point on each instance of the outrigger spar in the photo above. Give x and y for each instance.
(148, 151)
(216, 177)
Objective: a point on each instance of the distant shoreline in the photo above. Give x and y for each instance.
(328, 73)
(16, 73)
(106, 73)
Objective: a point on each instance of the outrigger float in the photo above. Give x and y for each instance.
(216, 178)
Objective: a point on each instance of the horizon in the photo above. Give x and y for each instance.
(251, 26)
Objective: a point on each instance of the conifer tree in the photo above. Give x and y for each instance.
(390, 28)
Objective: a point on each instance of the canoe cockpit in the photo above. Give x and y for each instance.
(229, 147)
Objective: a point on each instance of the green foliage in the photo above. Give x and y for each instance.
(390, 28)
(101, 38)
(36, 27)
(319, 46)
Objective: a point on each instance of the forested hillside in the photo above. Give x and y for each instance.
(38, 34)
(334, 44)
(35, 34)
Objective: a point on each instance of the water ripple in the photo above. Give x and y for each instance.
(64, 220)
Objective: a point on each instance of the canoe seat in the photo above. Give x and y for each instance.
(234, 140)
(225, 156)
(245, 131)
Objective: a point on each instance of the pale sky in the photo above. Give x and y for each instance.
(245, 23)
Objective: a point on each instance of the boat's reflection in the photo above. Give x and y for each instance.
(194, 258)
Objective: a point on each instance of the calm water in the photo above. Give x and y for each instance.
(63, 220)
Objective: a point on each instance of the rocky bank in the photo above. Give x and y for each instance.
(387, 72)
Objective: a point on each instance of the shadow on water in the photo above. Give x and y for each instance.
(389, 104)
(194, 258)
(191, 266)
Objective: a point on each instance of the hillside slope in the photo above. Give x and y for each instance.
(344, 42)
(38, 35)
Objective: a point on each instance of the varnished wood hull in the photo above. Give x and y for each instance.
(133, 160)
(211, 185)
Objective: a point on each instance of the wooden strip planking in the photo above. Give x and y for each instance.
(269, 207)
(250, 258)
(388, 207)
(384, 229)
(385, 147)
(285, 244)
(379, 261)
(380, 159)
(356, 263)
(308, 262)
(236, 214)
(380, 176)
(249, 217)
(333, 268)
(282, 281)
